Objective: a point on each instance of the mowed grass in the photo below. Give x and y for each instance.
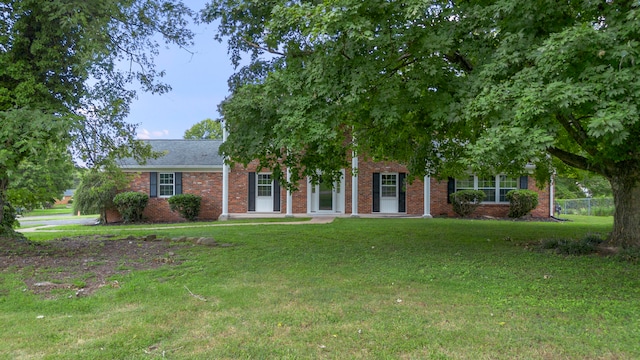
(353, 289)
(55, 210)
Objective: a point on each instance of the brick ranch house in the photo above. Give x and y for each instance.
(379, 188)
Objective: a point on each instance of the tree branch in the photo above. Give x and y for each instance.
(403, 63)
(259, 47)
(578, 161)
(458, 58)
(576, 131)
(345, 55)
(570, 159)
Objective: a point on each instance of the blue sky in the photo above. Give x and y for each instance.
(199, 83)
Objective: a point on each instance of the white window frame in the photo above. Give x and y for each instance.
(165, 185)
(501, 188)
(497, 187)
(487, 185)
(259, 185)
(393, 176)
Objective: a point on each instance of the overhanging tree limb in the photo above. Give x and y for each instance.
(576, 131)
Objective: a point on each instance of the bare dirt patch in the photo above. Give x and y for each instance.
(83, 264)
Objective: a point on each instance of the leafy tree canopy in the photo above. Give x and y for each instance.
(205, 129)
(440, 86)
(97, 189)
(65, 72)
(41, 180)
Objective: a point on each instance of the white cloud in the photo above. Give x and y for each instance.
(145, 134)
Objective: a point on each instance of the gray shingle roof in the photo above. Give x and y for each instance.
(180, 154)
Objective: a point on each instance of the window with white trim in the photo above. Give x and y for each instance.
(264, 184)
(467, 183)
(389, 185)
(488, 186)
(507, 184)
(495, 188)
(166, 184)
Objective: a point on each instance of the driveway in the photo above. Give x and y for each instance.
(64, 219)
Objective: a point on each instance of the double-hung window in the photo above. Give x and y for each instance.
(166, 184)
(506, 184)
(264, 184)
(389, 185)
(488, 186)
(467, 183)
(495, 188)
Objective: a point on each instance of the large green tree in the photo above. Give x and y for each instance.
(205, 129)
(66, 67)
(442, 86)
(41, 180)
(97, 189)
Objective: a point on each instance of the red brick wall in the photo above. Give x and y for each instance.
(207, 185)
(238, 193)
(415, 190)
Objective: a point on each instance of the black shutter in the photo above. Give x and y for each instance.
(252, 192)
(402, 194)
(178, 180)
(451, 188)
(276, 195)
(524, 182)
(376, 192)
(153, 184)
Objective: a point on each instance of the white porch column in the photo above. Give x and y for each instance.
(552, 203)
(225, 181)
(289, 197)
(427, 197)
(354, 185)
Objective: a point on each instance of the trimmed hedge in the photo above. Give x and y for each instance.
(465, 202)
(130, 205)
(521, 202)
(187, 205)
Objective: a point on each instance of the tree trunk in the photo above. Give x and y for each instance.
(4, 184)
(626, 220)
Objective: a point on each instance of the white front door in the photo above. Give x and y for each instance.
(389, 193)
(326, 197)
(264, 193)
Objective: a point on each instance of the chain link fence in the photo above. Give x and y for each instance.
(587, 206)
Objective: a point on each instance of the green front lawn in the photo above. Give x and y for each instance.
(55, 210)
(353, 289)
